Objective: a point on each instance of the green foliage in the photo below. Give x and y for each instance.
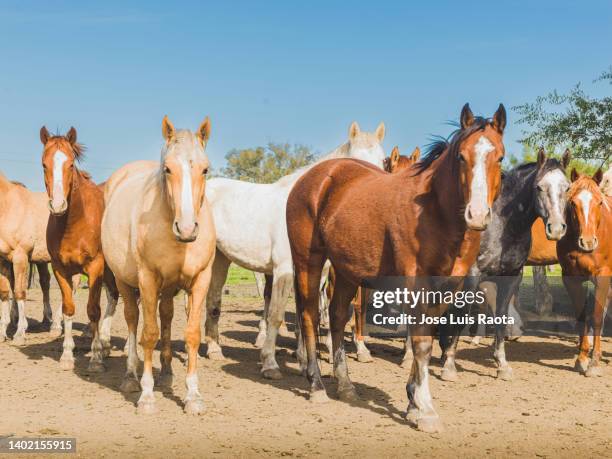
(266, 164)
(530, 155)
(575, 120)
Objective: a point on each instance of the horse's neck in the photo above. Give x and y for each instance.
(518, 206)
(340, 152)
(76, 204)
(446, 188)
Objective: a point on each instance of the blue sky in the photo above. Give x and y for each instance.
(278, 71)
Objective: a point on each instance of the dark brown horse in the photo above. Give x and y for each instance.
(585, 254)
(73, 238)
(369, 223)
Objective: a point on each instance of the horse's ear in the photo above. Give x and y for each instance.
(574, 175)
(541, 157)
(467, 117)
(354, 130)
(566, 158)
(499, 119)
(204, 131)
(598, 175)
(416, 154)
(167, 129)
(395, 155)
(72, 135)
(44, 135)
(380, 132)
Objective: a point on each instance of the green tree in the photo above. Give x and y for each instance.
(266, 164)
(574, 120)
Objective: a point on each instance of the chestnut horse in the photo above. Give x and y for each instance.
(23, 222)
(585, 254)
(76, 204)
(369, 223)
(158, 237)
(394, 163)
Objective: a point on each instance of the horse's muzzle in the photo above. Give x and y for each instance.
(477, 219)
(187, 233)
(58, 209)
(588, 244)
(555, 230)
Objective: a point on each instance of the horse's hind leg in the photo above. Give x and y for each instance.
(148, 284)
(112, 296)
(263, 322)
(602, 286)
(339, 314)
(577, 293)
(359, 314)
(213, 305)
(281, 287)
(20, 269)
(53, 318)
(166, 312)
(95, 276)
(5, 304)
(505, 289)
(130, 309)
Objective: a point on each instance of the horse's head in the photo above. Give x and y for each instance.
(606, 183)
(397, 162)
(551, 190)
(584, 208)
(480, 150)
(184, 166)
(367, 145)
(58, 158)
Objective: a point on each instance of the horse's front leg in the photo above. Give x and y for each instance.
(196, 299)
(359, 315)
(64, 281)
(5, 304)
(577, 293)
(20, 270)
(130, 309)
(421, 412)
(166, 313)
(220, 267)
(148, 284)
(95, 276)
(506, 288)
(602, 287)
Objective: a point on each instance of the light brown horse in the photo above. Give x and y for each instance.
(23, 222)
(76, 205)
(393, 164)
(585, 254)
(158, 237)
(369, 224)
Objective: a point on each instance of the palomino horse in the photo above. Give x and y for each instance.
(252, 232)
(369, 223)
(23, 223)
(394, 163)
(73, 239)
(585, 254)
(528, 191)
(158, 236)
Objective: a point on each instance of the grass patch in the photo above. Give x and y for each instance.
(239, 276)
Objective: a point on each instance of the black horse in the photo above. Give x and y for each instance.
(528, 191)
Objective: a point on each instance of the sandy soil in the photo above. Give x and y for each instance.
(547, 410)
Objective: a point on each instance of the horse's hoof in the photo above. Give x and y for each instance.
(364, 357)
(581, 366)
(593, 370)
(260, 340)
(319, 396)
(129, 385)
(449, 375)
(55, 332)
(96, 367)
(429, 424)
(66, 364)
(18, 340)
(215, 355)
(2, 338)
(406, 362)
(348, 395)
(504, 373)
(146, 407)
(476, 340)
(272, 373)
(194, 407)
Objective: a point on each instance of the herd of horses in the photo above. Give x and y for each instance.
(157, 227)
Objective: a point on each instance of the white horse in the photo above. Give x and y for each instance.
(252, 232)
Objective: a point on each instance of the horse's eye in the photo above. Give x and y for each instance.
(567, 189)
(205, 171)
(539, 188)
(501, 159)
(461, 159)
(166, 170)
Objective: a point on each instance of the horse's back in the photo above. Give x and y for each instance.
(124, 172)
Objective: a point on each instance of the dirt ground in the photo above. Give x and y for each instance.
(548, 410)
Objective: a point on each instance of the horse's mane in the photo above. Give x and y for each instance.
(77, 148)
(15, 182)
(451, 144)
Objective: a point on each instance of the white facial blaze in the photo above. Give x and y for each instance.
(59, 158)
(479, 190)
(374, 155)
(186, 193)
(585, 199)
(556, 183)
